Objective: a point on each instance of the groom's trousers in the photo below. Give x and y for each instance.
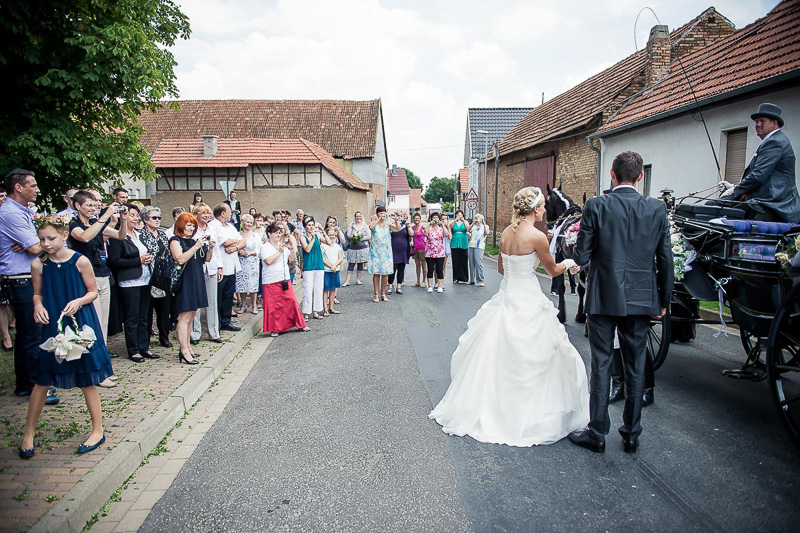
(632, 338)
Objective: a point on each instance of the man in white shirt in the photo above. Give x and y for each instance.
(229, 242)
(70, 209)
(212, 273)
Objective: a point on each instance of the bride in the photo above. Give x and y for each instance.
(515, 377)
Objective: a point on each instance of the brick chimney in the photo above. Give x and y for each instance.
(210, 147)
(658, 55)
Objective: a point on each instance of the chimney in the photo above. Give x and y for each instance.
(394, 170)
(658, 55)
(210, 147)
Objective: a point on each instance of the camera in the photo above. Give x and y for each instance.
(206, 238)
(122, 210)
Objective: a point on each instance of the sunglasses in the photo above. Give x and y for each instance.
(155, 218)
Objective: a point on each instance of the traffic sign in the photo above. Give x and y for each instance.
(471, 195)
(472, 205)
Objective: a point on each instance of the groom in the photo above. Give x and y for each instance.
(624, 237)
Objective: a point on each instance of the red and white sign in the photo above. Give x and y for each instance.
(471, 195)
(472, 205)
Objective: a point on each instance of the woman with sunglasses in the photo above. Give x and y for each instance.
(156, 242)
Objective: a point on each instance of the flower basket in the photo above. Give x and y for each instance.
(70, 344)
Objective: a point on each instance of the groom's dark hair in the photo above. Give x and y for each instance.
(627, 166)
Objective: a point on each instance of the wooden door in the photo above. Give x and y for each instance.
(540, 173)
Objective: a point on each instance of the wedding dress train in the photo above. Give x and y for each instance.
(515, 377)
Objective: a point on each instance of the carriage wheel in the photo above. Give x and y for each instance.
(748, 340)
(783, 362)
(658, 337)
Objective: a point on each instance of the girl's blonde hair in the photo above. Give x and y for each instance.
(525, 201)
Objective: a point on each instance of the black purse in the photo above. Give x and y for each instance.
(167, 273)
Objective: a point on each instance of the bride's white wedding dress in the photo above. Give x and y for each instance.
(515, 377)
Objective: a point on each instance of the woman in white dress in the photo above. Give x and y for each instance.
(515, 377)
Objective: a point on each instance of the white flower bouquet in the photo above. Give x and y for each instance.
(788, 255)
(70, 344)
(682, 252)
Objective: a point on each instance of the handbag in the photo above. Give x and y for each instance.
(167, 273)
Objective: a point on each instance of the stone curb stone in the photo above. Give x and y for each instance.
(77, 506)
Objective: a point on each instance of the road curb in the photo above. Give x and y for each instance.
(93, 490)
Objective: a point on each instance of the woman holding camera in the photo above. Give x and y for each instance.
(191, 254)
(435, 252)
(281, 312)
(381, 263)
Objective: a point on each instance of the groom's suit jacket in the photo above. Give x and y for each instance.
(625, 237)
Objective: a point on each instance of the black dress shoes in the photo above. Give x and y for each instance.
(587, 439)
(165, 343)
(649, 397)
(630, 446)
(194, 342)
(150, 355)
(217, 340)
(230, 327)
(617, 390)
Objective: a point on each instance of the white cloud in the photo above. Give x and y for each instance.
(428, 61)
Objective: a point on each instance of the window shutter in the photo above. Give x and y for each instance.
(735, 157)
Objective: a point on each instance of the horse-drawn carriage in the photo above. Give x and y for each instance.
(735, 263)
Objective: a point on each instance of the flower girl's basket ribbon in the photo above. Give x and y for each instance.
(69, 344)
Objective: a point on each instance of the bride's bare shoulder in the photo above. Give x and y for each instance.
(519, 240)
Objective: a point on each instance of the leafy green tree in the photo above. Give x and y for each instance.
(447, 207)
(413, 180)
(440, 188)
(76, 74)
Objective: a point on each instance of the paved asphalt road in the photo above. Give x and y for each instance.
(330, 433)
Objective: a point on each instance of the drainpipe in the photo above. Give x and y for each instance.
(598, 188)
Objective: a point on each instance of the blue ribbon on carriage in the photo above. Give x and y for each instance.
(719, 284)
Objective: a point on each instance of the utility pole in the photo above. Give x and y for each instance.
(494, 221)
(482, 206)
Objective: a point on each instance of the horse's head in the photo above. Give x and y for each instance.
(556, 203)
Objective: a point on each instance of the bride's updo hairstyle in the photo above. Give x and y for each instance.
(524, 202)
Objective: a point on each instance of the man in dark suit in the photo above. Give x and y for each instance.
(625, 237)
(768, 184)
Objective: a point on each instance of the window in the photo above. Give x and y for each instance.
(644, 185)
(735, 154)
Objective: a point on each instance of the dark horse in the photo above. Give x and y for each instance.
(562, 212)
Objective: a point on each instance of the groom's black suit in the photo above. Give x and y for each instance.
(625, 237)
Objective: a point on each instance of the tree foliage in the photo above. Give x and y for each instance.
(413, 180)
(76, 74)
(440, 188)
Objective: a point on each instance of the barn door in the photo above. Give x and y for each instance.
(540, 173)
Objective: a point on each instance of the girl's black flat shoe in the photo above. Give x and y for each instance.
(8, 348)
(26, 454)
(83, 448)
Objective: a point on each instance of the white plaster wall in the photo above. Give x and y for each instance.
(678, 149)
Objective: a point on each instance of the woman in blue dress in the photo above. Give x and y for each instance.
(64, 282)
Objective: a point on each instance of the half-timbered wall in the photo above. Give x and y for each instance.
(199, 179)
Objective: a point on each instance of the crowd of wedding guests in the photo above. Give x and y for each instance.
(231, 264)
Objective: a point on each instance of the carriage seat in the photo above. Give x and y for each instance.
(758, 227)
(708, 212)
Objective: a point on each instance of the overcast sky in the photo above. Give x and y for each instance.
(428, 60)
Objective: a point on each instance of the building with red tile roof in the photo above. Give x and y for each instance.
(549, 146)
(268, 174)
(350, 131)
(728, 79)
(398, 191)
(416, 203)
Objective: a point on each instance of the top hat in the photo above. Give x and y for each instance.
(770, 111)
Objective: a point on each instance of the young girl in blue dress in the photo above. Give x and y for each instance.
(63, 281)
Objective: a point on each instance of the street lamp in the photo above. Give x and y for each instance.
(485, 166)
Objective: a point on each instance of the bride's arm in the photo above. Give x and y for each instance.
(542, 248)
(500, 265)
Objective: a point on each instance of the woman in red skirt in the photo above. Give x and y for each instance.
(281, 312)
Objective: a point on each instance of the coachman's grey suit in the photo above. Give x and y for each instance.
(769, 179)
(625, 237)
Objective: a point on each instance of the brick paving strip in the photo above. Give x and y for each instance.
(129, 507)
(59, 490)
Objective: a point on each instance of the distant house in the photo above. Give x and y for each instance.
(270, 174)
(462, 190)
(496, 122)
(549, 146)
(398, 191)
(416, 203)
(759, 63)
(351, 131)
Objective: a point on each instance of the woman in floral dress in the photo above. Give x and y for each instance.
(381, 262)
(247, 279)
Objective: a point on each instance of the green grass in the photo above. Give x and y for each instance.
(714, 306)
(7, 376)
(493, 250)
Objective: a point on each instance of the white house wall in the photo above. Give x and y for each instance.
(678, 149)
